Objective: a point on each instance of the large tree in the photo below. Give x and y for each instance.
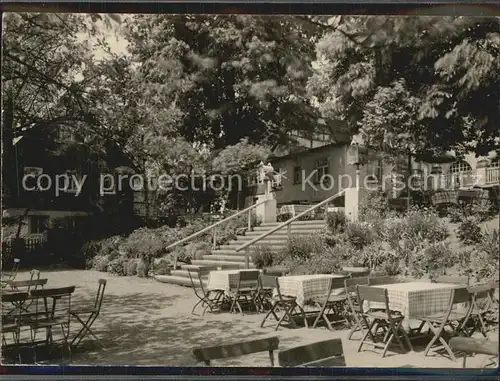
(420, 82)
(224, 78)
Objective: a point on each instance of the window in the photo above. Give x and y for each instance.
(494, 163)
(38, 224)
(460, 166)
(321, 169)
(276, 181)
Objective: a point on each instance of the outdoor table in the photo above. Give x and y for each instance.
(222, 279)
(415, 299)
(305, 287)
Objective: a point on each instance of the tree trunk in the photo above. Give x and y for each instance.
(20, 222)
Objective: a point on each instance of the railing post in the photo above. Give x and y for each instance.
(289, 230)
(214, 246)
(247, 258)
(249, 220)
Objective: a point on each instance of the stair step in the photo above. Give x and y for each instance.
(230, 249)
(301, 228)
(179, 280)
(198, 267)
(231, 258)
(309, 222)
(226, 264)
(185, 274)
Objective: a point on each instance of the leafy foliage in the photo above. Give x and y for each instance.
(469, 232)
(412, 81)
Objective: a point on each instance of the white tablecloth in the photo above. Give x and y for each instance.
(223, 279)
(416, 299)
(305, 287)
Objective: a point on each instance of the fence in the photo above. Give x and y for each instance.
(31, 251)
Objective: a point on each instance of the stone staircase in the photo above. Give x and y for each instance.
(226, 257)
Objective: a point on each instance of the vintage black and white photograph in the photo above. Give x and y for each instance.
(250, 190)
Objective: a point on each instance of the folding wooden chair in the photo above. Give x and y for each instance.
(468, 346)
(11, 323)
(381, 280)
(286, 303)
(333, 304)
(388, 320)
(91, 315)
(58, 315)
(267, 283)
(245, 290)
(461, 280)
(11, 275)
(354, 308)
(328, 353)
(28, 286)
(481, 304)
(439, 321)
(356, 271)
(206, 355)
(210, 299)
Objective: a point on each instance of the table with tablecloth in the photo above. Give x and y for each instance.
(223, 279)
(305, 287)
(416, 299)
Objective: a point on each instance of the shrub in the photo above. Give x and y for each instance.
(301, 247)
(143, 267)
(484, 260)
(359, 234)
(197, 250)
(117, 267)
(132, 267)
(327, 262)
(88, 251)
(433, 259)
(181, 254)
(469, 232)
(100, 263)
(162, 267)
(336, 222)
(373, 206)
(455, 213)
(425, 224)
(262, 256)
(480, 208)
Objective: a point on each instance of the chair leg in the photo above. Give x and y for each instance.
(437, 335)
(320, 314)
(367, 333)
(271, 311)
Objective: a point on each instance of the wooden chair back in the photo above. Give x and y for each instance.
(356, 271)
(14, 297)
(372, 294)
(247, 279)
(462, 280)
(482, 296)
(336, 284)
(27, 285)
(351, 283)
(267, 281)
(206, 355)
(324, 353)
(100, 295)
(197, 288)
(381, 280)
(61, 303)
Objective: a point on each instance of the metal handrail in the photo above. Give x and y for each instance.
(287, 223)
(208, 228)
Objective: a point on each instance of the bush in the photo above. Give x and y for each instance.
(433, 259)
(469, 232)
(301, 247)
(117, 267)
(162, 267)
(336, 222)
(327, 262)
(100, 263)
(455, 213)
(132, 267)
(89, 250)
(374, 206)
(425, 224)
(484, 261)
(480, 208)
(262, 256)
(197, 250)
(143, 267)
(359, 234)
